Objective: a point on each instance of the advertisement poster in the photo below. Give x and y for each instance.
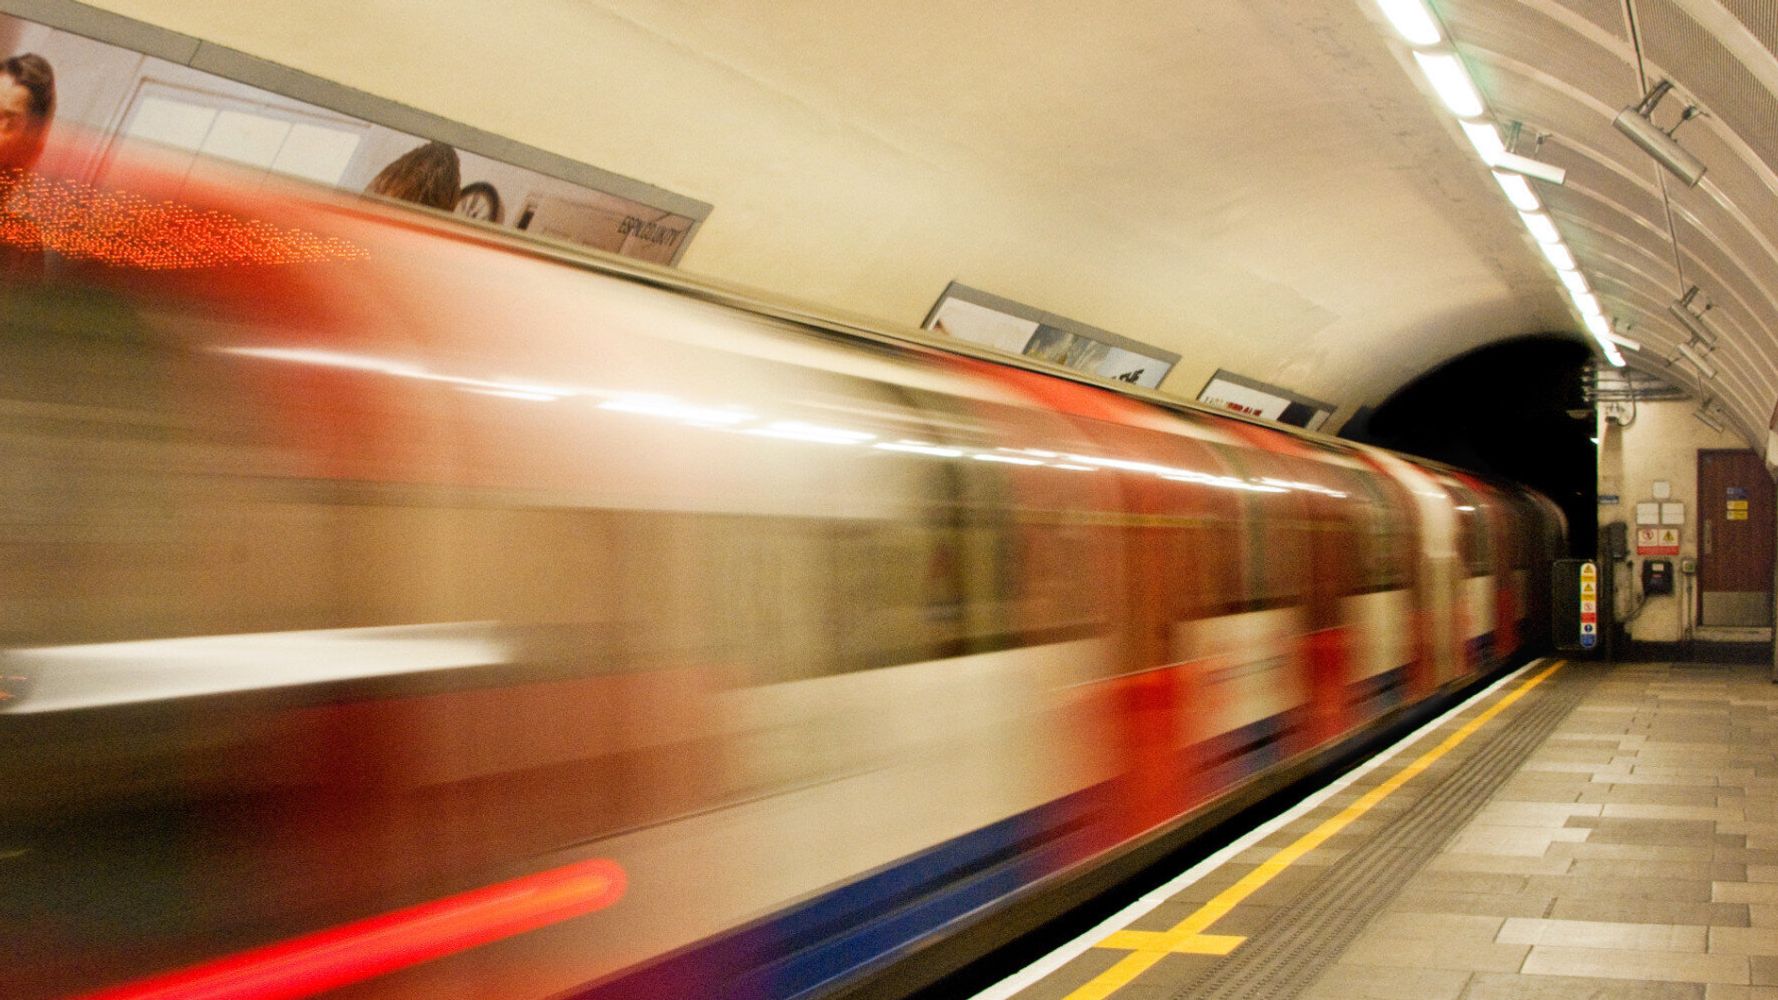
(1227, 391)
(102, 104)
(1013, 328)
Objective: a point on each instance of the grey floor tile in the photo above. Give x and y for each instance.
(1744, 940)
(1588, 850)
(1481, 904)
(1650, 911)
(1411, 926)
(1490, 986)
(1746, 892)
(1676, 890)
(1665, 869)
(1604, 934)
(1601, 963)
(1721, 991)
(1482, 956)
(1370, 982)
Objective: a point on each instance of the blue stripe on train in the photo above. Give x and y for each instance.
(1481, 650)
(1248, 750)
(1377, 694)
(849, 929)
(863, 924)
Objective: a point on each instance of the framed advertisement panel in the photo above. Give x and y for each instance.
(129, 89)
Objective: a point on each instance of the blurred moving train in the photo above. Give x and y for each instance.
(369, 576)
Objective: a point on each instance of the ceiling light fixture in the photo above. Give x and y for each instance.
(1542, 229)
(1535, 169)
(1493, 152)
(1612, 354)
(1623, 341)
(1413, 21)
(1518, 191)
(1709, 420)
(1451, 82)
(1486, 140)
(1694, 322)
(1697, 361)
(1558, 255)
(1601, 329)
(1576, 281)
(1637, 123)
(1588, 303)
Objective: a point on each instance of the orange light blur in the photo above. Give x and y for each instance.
(83, 222)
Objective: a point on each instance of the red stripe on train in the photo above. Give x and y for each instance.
(377, 946)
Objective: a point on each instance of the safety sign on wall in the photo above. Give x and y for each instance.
(1589, 605)
(1657, 541)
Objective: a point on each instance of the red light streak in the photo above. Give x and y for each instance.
(351, 953)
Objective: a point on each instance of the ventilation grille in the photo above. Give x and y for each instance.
(1760, 17)
(1607, 14)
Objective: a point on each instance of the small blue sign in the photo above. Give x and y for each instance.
(1589, 641)
(1609, 499)
(1737, 493)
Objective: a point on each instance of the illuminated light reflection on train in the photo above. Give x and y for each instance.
(723, 418)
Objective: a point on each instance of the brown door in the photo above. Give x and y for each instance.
(1735, 521)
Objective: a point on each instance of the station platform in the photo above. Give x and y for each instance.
(1576, 830)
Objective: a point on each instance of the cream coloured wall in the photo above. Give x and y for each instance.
(1661, 442)
(867, 180)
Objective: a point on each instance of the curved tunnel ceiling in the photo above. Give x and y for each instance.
(1562, 70)
(1267, 186)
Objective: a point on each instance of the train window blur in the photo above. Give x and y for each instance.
(1385, 543)
(1473, 531)
(1277, 562)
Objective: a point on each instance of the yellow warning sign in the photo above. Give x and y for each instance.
(1737, 515)
(1588, 588)
(1737, 505)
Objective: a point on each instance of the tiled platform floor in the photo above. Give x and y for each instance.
(1633, 855)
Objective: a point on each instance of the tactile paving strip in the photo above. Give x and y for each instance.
(1286, 957)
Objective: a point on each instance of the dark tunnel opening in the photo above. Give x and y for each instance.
(1516, 410)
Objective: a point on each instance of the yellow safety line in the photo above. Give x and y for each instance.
(1186, 937)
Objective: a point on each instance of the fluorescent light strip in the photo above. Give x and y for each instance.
(1576, 282)
(1452, 83)
(1518, 191)
(1542, 229)
(1412, 21)
(1486, 140)
(1558, 255)
(1611, 353)
(1588, 303)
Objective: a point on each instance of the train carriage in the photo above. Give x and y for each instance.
(360, 562)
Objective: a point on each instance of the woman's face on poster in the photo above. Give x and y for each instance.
(18, 129)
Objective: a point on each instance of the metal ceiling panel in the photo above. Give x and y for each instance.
(1760, 17)
(1705, 70)
(1607, 14)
